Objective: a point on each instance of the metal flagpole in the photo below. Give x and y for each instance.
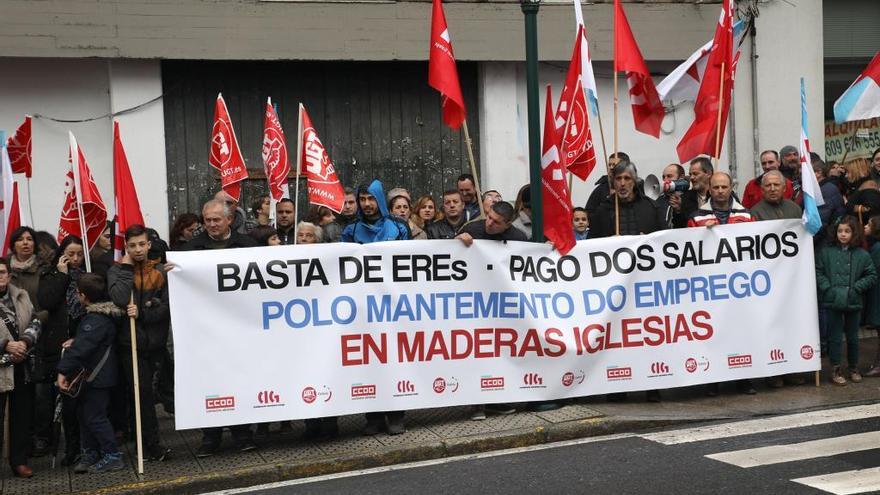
(77, 184)
(299, 148)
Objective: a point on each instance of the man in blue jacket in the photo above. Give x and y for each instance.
(375, 224)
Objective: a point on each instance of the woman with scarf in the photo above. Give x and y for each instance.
(25, 270)
(58, 295)
(19, 332)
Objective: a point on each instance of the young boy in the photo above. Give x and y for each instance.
(92, 350)
(581, 224)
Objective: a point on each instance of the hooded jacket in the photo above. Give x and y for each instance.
(384, 228)
(96, 332)
(147, 282)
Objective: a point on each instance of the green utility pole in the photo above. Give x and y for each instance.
(530, 11)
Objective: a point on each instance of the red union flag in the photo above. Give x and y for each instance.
(572, 120)
(225, 154)
(275, 154)
(93, 209)
(442, 72)
(557, 200)
(324, 187)
(128, 208)
(19, 146)
(647, 108)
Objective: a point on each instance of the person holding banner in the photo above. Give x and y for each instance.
(218, 216)
(285, 221)
(453, 217)
(376, 224)
(138, 285)
(19, 332)
(773, 205)
(634, 213)
(57, 294)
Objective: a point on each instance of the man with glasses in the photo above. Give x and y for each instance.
(752, 194)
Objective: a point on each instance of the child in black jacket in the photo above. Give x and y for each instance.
(93, 351)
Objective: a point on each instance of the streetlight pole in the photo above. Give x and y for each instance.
(530, 12)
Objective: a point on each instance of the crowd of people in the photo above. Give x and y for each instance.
(65, 364)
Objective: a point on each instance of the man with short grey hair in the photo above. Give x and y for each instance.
(638, 214)
(773, 205)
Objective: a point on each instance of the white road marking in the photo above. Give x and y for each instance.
(846, 482)
(432, 462)
(776, 454)
(764, 425)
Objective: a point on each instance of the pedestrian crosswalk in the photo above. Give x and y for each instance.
(788, 453)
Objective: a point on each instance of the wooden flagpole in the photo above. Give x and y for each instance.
(720, 111)
(470, 152)
(137, 391)
(299, 148)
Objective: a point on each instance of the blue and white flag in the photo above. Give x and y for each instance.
(588, 80)
(812, 193)
(862, 99)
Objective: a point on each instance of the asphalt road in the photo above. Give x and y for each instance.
(676, 461)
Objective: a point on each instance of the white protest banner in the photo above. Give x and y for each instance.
(275, 333)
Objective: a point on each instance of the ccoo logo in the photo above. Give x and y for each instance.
(739, 361)
(216, 403)
(492, 383)
(268, 397)
(616, 373)
(363, 391)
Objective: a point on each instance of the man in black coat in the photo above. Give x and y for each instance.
(637, 214)
(218, 234)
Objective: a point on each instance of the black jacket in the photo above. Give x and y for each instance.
(151, 325)
(202, 241)
(441, 229)
(640, 216)
(51, 296)
(96, 332)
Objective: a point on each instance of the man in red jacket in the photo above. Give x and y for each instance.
(752, 193)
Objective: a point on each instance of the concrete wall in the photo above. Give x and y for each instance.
(71, 89)
(350, 30)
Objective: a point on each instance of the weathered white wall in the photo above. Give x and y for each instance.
(76, 89)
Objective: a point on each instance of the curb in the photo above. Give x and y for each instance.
(271, 473)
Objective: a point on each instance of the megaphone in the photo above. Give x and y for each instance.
(654, 187)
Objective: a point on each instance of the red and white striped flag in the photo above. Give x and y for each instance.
(128, 208)
(225, 154)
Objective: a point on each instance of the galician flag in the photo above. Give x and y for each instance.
(812, 193)
(862, 99)
(588, 80)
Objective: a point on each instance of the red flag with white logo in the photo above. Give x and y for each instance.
(442, 72)
(324, 187)
(128, 208)
(83, 206)
(557, 200)
(647, 108)
(701, 137)
(572, 120)
(225, 154)
(13, 221)
(19, 147)
(275, 161)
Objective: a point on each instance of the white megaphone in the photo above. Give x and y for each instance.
(653, 187)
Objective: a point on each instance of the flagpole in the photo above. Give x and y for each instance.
(137, 390)
(77, 184)
(470, 151)
(299, 148)
(272, 201)
(30, 205)
(720, 111)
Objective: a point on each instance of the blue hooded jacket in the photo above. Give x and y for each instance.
(385, 228)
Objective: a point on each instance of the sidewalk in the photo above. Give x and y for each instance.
(431, 433)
